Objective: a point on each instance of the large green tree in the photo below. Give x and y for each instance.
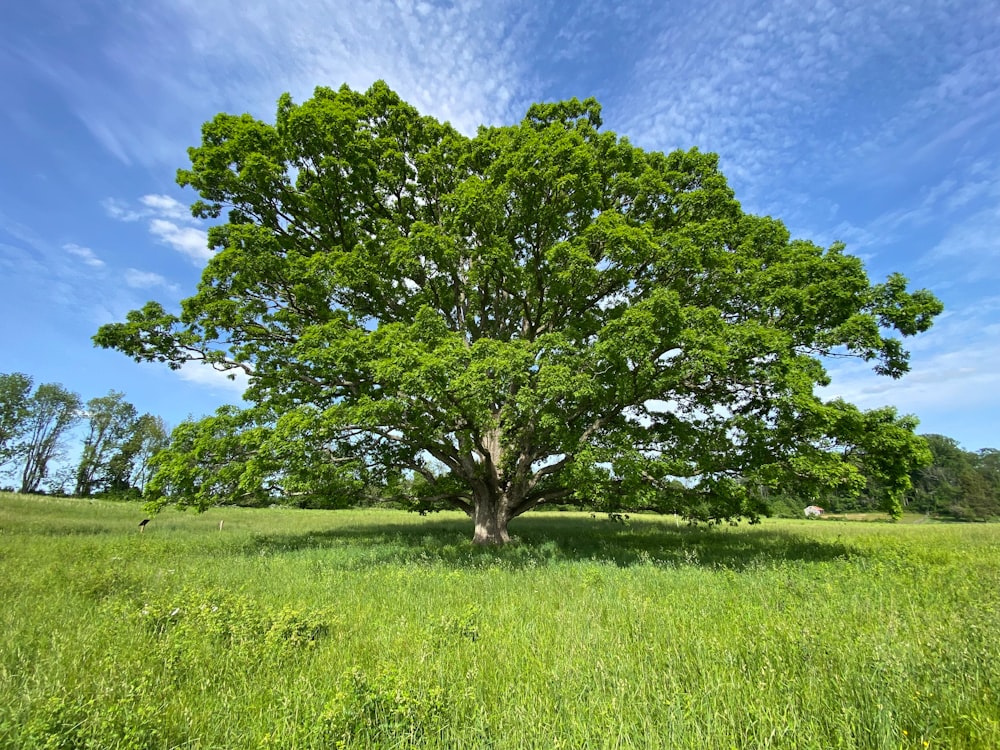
(540, 313)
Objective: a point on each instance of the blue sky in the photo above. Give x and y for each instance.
(872, 122)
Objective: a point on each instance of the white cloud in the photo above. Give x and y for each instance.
(164, 205)
(169, 222)
(969, 250)
(955, 365)
(190, 241)
(146, 279)
(208, 377)
(85, 254)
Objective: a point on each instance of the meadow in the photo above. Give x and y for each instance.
(376, 628)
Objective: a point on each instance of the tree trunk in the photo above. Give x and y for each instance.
(490, 517)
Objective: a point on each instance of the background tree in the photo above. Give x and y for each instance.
(957, 483)
(15, 389)
(52, 411)
(111, 421)
(988, 464)
(128, 470)
(541, 313)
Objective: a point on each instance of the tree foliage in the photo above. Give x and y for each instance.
(956, 482)
(129, 468)
(15, 388)
(52, 411)
(540, 313)
(111, 421)
(232, 458)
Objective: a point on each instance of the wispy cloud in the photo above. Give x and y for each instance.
(970, 250)
(463, 61)
(146, 280)
(72, 276)
(965, 187)
(170, 223)
(121, 211)
(19, 262)
(85, 254)
(956, 365)
(770, 86)
(208, 377)
(190, 241)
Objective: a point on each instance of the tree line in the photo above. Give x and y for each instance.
(957, 484)
(36, 424)
(962, 484)
(125, 454)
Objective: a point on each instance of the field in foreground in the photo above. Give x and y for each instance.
(313, 629)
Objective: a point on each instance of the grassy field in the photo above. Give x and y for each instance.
(312, 629)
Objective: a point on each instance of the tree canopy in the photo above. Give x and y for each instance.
(111, 420)
(541, 313)
(962, 484)
(15, 389)
(52, 411)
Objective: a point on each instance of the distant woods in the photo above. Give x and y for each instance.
(118, 453)
(962, 484)
(36, 430)
(958, 484)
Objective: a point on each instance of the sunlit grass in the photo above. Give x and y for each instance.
(383, 629)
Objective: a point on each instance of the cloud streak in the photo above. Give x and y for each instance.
(137, 279)
(189, 241)
(164, 214)
(85, 254)
(462, 61)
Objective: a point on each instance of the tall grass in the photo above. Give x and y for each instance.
(310, 629)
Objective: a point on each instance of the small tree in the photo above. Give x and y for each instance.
(52, 411)
(15, 389)
(541, 313)
(129, 469)
(111, 422)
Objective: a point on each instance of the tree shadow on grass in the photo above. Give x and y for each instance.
(548, 540)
